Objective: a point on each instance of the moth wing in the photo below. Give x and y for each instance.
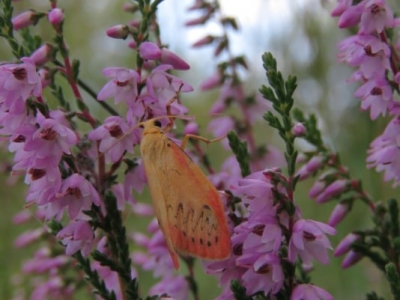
(156, 183)
(195, 215)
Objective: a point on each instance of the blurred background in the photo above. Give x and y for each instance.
(302, 36)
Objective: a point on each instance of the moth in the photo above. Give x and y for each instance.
(187, 205)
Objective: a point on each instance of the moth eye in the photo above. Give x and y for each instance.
(141, 126)
(157, 123)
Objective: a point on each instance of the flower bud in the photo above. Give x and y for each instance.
(42, 55)
(24, 19)
(211, 82)
(317, 188)
(170, 58)
(345, 245)
(350, 17)
(118, 32)
(299, 129)
(333, 190)
(339, 9)
(56, 16)
(130, 7)
(132, 45)
(339, 213)
(192, 128)
(204, 41)
(200, 20)
(351, 259)
(148, 50)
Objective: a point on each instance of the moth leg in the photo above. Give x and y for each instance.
(199, 138)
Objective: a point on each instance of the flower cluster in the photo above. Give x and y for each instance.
(157, 259)
(375, 54)
(257, 240)
(227, 78)
(68, 183)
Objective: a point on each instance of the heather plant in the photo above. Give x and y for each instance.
(84, 177)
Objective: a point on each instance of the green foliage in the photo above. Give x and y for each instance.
(394, 280)
(239, 291)
(280, 95)
(239, 148)
(93, 277)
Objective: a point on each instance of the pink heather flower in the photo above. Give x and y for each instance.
(148, 50)
(156, 257)
(384, 153)
(53, 288)
(341, 7)
(76, 193)
(174, 286)
(367, 52)
(271, 157)
(24, 20)
(22, 217)
(298, 130)
(17, 83)
(29, 237)
(351, 16)
(118, 32)
(191, 128)
(56, 16)
(143, 209)
(331, 191)
(220, 127)
(397, 77)
(170, 58)
(163, 86)
(262, 233)
(135, 180)
(339, 213)
(114, 138)
(200, 20)
(376, 16)
(351, 259)
(77, 235)
(317, 188)
(49, 142)
(204, 41)
(309, 292)
(345, 245)
(309, 240)
(42, 262)
(312, 166)
(215, 80)
(376, 94)
(123, 86)
(226, 271)
(256, 192)
(264, 274)
(42, 55)
(229, 175)
(43, 184)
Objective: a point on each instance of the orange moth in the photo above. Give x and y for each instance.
(187, 205)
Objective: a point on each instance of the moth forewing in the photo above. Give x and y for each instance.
(187, 205)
